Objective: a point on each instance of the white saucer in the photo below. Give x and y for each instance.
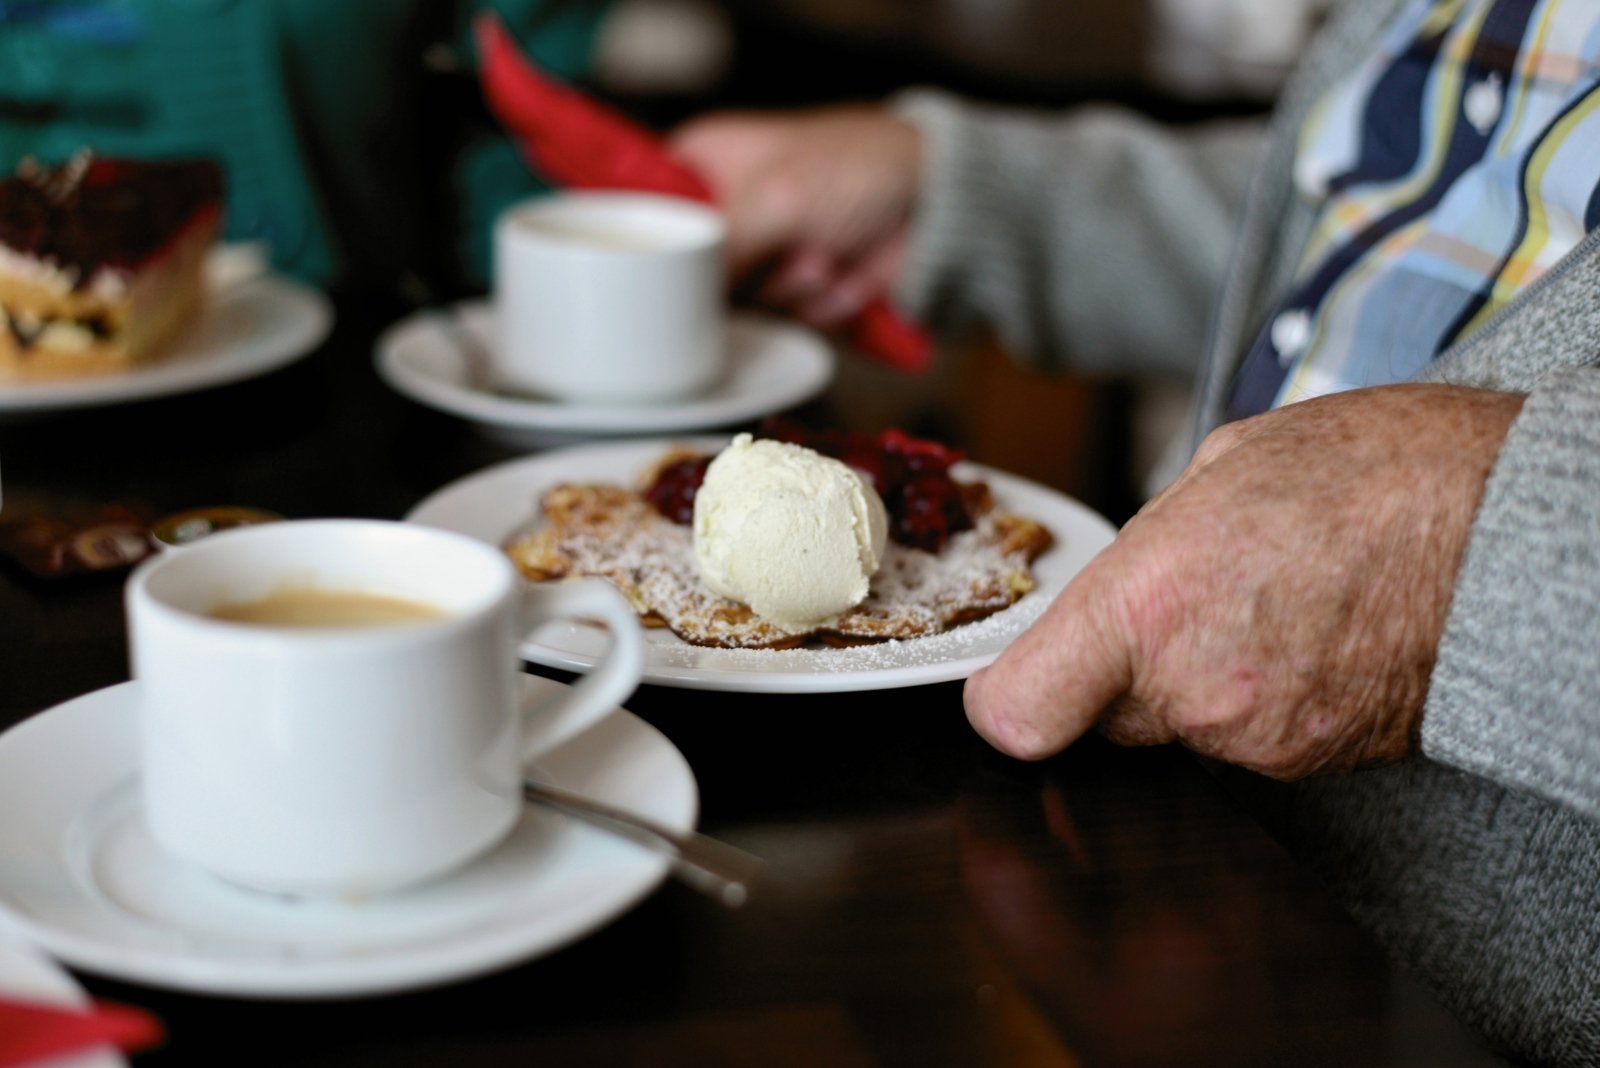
(773, 365)
(81, 878)
(247, 330)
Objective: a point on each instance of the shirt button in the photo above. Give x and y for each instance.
(1290, 333)
(1483, 103)
(1313, 175)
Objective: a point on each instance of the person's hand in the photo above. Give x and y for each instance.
(817, 201)
(1280, 605)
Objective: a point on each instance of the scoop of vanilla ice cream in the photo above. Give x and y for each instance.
(795, 535)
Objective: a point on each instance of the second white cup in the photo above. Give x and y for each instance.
(608, 297)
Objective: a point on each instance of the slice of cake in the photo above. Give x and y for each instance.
(101, 262)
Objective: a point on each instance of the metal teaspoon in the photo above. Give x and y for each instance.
(712, 867)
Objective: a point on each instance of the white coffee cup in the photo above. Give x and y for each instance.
(352, 760)
(605, 297)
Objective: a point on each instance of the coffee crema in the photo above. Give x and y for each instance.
(311, 606)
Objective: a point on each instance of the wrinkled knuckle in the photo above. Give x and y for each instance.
(1219, 441)
(1148, 611)
(1232, 710)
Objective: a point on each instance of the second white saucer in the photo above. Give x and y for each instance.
(772, 365)
(81, 878)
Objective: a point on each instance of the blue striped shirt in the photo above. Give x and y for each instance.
(1453, 168)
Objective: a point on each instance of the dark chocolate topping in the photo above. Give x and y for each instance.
(115, 213)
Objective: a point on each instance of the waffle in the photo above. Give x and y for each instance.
(612, 531)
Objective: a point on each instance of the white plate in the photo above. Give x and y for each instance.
(28, 975)
(81, 878)
(249, 329)
(493, 503)
(773, 365)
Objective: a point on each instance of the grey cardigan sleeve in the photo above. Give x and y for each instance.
(1515, 694)
(1092, 238)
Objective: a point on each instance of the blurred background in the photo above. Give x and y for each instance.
(1177, 60)
(358, 148)
(1172, 56)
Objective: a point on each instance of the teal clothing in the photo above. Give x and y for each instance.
(344, 150)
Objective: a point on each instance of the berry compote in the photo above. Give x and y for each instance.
(672, 492)
(912, 475)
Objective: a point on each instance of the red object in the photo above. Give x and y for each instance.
(31, 1032)
(579, 141)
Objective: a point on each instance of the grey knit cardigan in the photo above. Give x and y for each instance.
(1101, 241)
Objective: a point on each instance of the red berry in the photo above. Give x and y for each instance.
(672, 492)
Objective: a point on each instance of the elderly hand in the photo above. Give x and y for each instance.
(818, 199)
(1277, 607)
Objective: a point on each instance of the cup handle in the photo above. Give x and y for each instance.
(601, 689)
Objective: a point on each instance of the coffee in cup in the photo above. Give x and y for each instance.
(299, 738)
(312, 606)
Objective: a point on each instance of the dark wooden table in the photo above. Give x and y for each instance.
(933, 902)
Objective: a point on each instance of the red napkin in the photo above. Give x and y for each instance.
(30, 1031)
(578, 141)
